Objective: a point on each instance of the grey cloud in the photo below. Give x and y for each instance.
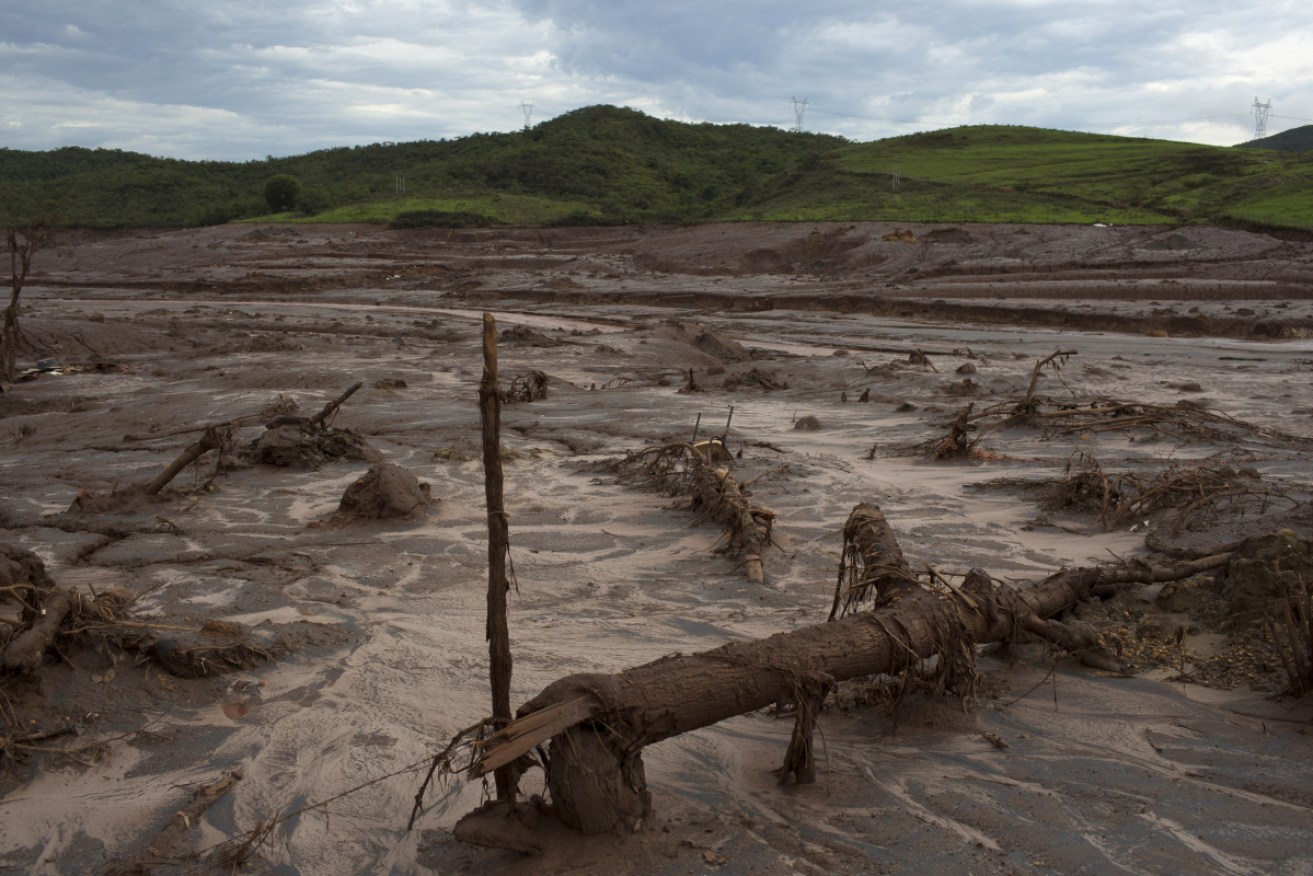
(241, 78)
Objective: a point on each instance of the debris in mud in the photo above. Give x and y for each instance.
(528, 337)
(34, 608)
(807, 423)
(959, 442)
(308, 442)
(1193, 491)
(526, 388)
(216, 648)
(1186, 420)
(720, 348)
(1247, 623)
(757, 378)
(385, 492)
(918, 357)
(682, 469)
(690, 385)
(1261, 573)
(221, 647)
(301, 444)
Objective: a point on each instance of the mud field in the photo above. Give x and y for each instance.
(846, 353)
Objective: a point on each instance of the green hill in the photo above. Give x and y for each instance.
(1295, 140)
(604, 165)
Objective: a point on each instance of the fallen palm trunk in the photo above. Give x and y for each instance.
(596, 770)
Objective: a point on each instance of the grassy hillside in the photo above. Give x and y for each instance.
(1294, 140)
(603, 165)
(999, 173)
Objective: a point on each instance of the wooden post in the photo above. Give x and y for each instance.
(498, 633)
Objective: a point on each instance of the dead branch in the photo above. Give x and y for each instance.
(321, 418)
(163, 849)
(1054, 360)
(871, 564)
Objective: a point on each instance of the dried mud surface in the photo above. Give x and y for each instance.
(153, 335)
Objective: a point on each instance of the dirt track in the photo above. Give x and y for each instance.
(160, 333)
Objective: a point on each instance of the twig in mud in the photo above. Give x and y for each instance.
(442, 761)
(15, 743)
(278, 407)
(439, 764)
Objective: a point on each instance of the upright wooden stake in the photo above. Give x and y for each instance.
(499, 637)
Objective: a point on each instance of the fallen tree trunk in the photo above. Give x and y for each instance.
(28, 648)
(596, 773)
(212, 439)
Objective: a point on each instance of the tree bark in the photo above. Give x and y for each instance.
(645, 704)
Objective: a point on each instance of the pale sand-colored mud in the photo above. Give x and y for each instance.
(1101, 775)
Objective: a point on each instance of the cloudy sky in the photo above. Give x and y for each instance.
(243, 79)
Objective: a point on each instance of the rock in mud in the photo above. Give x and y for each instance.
(386, 492)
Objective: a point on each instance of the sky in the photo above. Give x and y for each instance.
(239, 80)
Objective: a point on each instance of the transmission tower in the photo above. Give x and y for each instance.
(800, 109)
(1261, 111)
(527, 109)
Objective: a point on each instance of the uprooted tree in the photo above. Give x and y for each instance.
(599, 724)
